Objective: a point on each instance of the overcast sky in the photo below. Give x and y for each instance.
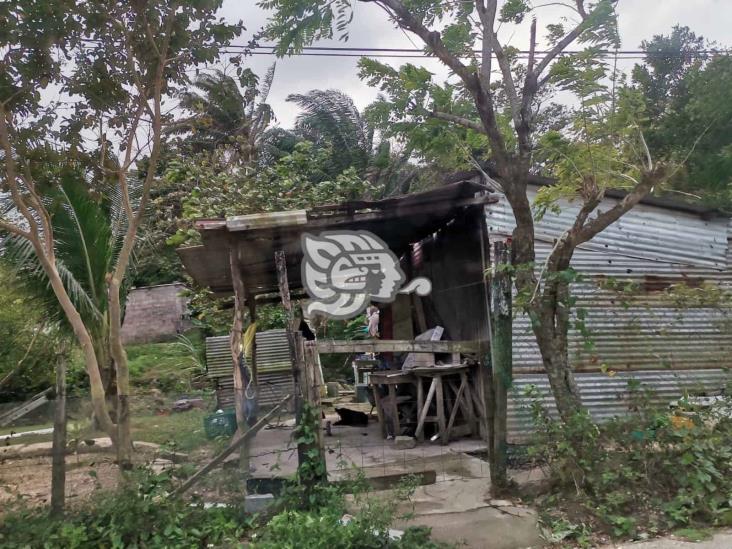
(639, 20)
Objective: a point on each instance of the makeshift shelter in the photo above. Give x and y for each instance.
(440, 234)
(642, 327)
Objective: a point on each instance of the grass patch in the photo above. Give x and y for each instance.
(170, 367)
(183, 430)
(693, 534)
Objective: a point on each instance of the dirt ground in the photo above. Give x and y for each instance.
(28, 480)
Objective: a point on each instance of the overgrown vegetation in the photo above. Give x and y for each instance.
(137, 515)
(638, 475)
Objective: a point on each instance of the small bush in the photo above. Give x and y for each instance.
(330, 526)
(139, 515)
(641, 474)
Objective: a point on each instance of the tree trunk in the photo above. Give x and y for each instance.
(552, 338)
(86, 343)
(501, 365)
(117, 350)
(58, 463)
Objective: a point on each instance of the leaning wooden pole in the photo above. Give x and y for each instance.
(502, 362)
(219, 459)
(58, 448)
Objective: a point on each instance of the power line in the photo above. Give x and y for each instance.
(393, 55)
(478, 52)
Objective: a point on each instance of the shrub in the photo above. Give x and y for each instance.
(138, 515)
(646, 472)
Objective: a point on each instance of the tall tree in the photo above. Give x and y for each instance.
(225, 119)
(450, 30)
(117, 62)
(687, 92)
(331, 121)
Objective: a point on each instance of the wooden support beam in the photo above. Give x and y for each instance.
(311, 386)
(235, 340)
(441, 421)
(296, 345)
(502, 363)
(252, 304)
(236, 443)
(398, 346)
(419, 433)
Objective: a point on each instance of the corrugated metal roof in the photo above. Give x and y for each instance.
(399, 221)
(608, 396)
(646, 232)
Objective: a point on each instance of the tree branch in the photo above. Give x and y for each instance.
(472, 81)
(432, 38)
(487, 15)
(603, 220)
(560, 46)
(13, 229)
(459, 120)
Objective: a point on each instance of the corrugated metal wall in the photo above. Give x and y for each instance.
(632, 320)
(608, 396)
(273, 365)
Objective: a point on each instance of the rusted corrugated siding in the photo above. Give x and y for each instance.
(637, 325)
(608, 396)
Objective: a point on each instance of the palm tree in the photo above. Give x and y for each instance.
(88, 226)
(227, 120)
(330, 119)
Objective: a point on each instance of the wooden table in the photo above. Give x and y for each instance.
(441, 384)
(388, 408)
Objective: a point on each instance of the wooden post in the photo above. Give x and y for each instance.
(235, 343)
(253, 362)
(58, 464)
(295, 342)
(311, 385)
(485, 387)
(502, 362)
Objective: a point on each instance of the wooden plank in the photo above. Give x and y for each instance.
(425, 409)
(441, 411)
(311, 387)
(458, 404)
(379, 411)
(295, 343)
(396, 427)
(397, 346)
(235, 341)
(420, 403)
(468, 400)
(16, 413)
(236, 443)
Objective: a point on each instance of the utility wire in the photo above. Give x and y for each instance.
(477, 52)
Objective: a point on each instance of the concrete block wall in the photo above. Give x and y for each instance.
(155, 313)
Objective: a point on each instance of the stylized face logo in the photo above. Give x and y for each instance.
(342, 271)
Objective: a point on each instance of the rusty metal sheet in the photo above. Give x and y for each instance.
(608, 396)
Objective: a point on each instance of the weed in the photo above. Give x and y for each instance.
(647, 472)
